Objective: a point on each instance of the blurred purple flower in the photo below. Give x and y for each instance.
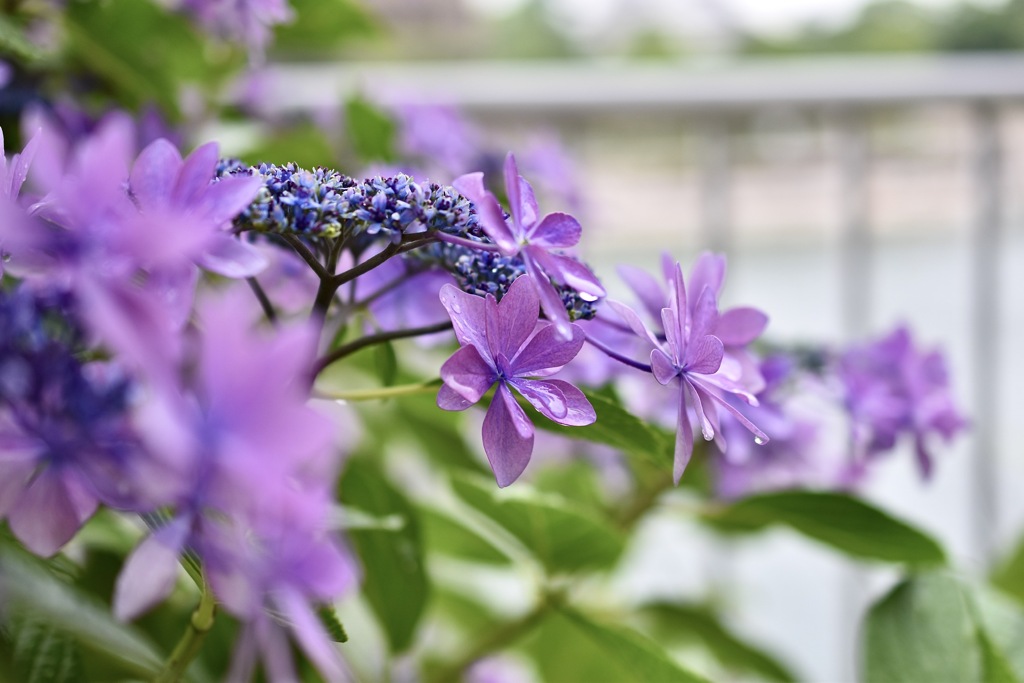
(893, 388)
(504, 343)
(65, 437)
(245, 21)
(793, 456)
(533, 238)
(254, 460)
(437, 135)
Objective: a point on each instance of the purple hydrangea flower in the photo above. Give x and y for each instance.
(893, 388)
(505, 344)
(534, 238)
(690, 352)
(256, 465)
(65, 437)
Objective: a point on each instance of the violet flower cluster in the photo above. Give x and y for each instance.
(693, 347)
(194, 415)
(891, 389)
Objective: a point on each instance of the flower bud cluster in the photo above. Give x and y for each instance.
(325, 203)
(487, 272)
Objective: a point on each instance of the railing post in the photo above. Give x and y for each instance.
(855, 237)
(985, 300)
(715, 160)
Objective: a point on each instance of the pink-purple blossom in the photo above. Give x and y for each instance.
(533, 238)
(503, 343)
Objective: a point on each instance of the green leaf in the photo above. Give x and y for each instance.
(841, 521)
(302, 143)
(370, 130)
(446, 535)
(30, 588)
(44, 654)
(678, 622)
(1009, 575)
(569, 646)
(14, 43)
(1001, 629)
(386, 363)
(615, 427)
(922, 631)
(394, 580)
(323, 25)
(561, 536)
(329, 619)
(144, 52)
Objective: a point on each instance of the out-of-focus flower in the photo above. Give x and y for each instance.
(892, 388)
(245, 21)
(792, 458)
(65, 437)
(533, 237)
(504, 343)
(437, 135)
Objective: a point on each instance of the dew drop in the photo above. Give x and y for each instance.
(588, 297)
(759, 441)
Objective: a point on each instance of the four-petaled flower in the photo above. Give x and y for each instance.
(533, 238)
(505, 343)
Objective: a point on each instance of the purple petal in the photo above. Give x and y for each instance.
(568, 271)
(514, 190)
(673, 337)
(153, 175)
(662, 366)
(546, 350)
(704, 356)
(311, 637)
(507, 436)
(633, 320)
(684, 438)
(518, 312)
(740, 326)
(705, 314)
(467, 314)
(677, 299)
(467, 374)
(707, 391)
(706, 428)
(556, 231)
(709, 271)
(14, 474)
(50, 511)
(20, 164)
(232, 258)
(545, 396)
(646, 288)
(492, 219)
(550, 302)
(149, 574)
(528, 206)
(224, 200)
(196, 174)
(579, 412)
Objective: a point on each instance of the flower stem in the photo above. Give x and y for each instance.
(192, 640)
(382, 393)
(380, 338)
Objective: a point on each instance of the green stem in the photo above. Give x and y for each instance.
(382, 393)
(498, 639)
(191, 641)
(379, 338)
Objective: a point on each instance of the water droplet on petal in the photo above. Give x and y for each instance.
(588, 297)
(759, 441)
